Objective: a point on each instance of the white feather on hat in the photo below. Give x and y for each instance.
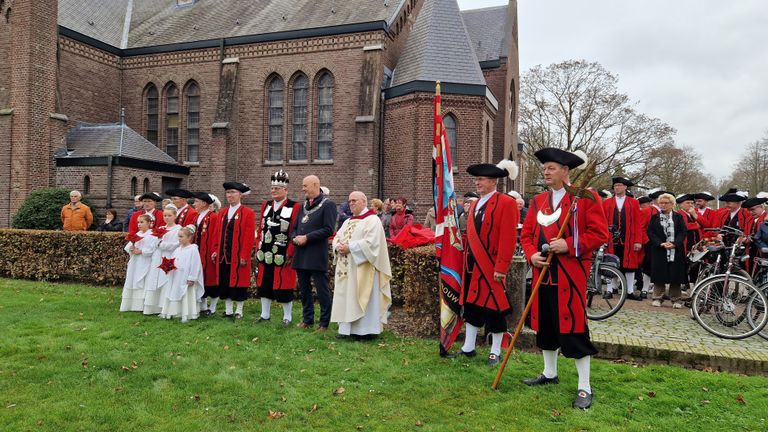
(514, 194)
(510, 166)
(582, 156)
(762, 195)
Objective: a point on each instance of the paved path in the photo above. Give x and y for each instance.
(671, 336)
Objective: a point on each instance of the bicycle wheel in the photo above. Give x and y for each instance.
(722, 306)
(756, 309)
(599, 304)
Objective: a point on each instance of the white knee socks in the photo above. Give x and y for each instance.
(214, 302)
(228, 306)
(239, 307)
(266, 308)
(287, 311)
(203, 304)
(550, 363)
(582, 367)
(496, 343)
(630, 276)
(471, 336)
(646, 282)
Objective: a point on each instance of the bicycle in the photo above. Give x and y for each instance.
(728, 305)
(604, 274)
(760, 278)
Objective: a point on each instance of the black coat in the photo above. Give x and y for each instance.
(113, 226)
(663, 272)
(320, 226)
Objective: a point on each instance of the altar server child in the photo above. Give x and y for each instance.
(182, 295)
(168, 237)
(140, 247)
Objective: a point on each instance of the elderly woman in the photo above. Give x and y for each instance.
(666, 235)
(111, 223)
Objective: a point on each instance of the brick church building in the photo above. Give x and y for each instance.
(144, 95)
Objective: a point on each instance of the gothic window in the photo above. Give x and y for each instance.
(172, 121)
(275, 120)
(150, 109)
(146, 185)
(193, 122)
(449, 122)
(86, 185)
(300, 98)
(325, 117)
(134, 187)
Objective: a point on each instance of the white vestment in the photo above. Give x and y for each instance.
(157, 277)
(138, 270)
(179, 299)
(361, 295)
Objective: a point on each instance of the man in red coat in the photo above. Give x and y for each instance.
(623, 215)
(732, 214)
(759, 216)
(237, 224)
(695, 224)
(559, 313)
(207, 241)
(701, 200)
(491, 239)
(148, 202)
(646, 211)
(274, 250)
(186, 215)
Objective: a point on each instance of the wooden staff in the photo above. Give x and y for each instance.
(576, 192)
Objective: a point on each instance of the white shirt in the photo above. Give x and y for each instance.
(276, 205)
(201, 216)
(733, 213)
(620, 201)
(232, 210)
(702, 210)
(557, 196)
(483, 199)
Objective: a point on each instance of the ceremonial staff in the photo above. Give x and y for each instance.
(576, 192)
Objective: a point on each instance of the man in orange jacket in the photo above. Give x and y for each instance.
(76, 216)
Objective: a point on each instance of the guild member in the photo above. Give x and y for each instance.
(274, 251)
(491, 239)
(186, 214)
(695, 224)
(237, 224)
(732, 215)
(148, 203)
(644, 282)
(623, 215)
(702, 200)
(759, 217)
(361, 292)
(316, 221)
(559, 313)
(207, 238)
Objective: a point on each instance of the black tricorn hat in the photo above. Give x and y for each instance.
(154, 196)
(552, 154)
(653, 194)
(471, 195)
(240, 187)
(684, 197)
(704, 195)
(623, 180)
(486, 170)
(203, 196)
(760, 198)
(733, 195)
(644, 199)
(181, 193)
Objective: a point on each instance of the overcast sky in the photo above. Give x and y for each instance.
(699, 65)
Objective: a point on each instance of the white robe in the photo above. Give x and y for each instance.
(361, 295)
(178, 299)
(137, 272)
(157, 277)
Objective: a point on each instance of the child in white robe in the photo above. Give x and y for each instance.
(181, 297)
(157, 278)
(138, 266)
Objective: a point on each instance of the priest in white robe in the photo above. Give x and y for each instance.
(361, 295)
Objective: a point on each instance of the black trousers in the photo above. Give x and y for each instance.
(266, 289)
(307, 300)
(227, 292)
(572, 345)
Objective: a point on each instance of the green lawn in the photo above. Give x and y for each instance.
(69, 361)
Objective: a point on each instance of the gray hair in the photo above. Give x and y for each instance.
(76, 192)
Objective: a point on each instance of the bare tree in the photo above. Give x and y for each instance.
(751, 172)
(675, 169)
(575, 105)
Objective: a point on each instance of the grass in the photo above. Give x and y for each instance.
(69, 361)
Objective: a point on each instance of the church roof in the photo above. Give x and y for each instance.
(161, 22)
(112, 139)
(439, 48)
(487, 28)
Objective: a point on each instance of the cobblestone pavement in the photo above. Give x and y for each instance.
(671, 336)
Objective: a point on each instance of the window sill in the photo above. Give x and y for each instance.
(323, 161)
(191, 164)
(273, 162)
(298, 162)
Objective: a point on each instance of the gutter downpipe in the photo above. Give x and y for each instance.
(382, 106)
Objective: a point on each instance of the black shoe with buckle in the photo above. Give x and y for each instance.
(541, 380)
(607, 295)
(583, 400)
(634, 296)
(262, 320)
(226, 315)
(286, 323)
(493, 359)
(472, 353)
(644, 295)
(238, 316)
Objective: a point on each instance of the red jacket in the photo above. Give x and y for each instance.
(285, 276)
(187, 216)
(720, 217)
(492, 246)
(693, 226)
(133, 226)
(572, 271)
(633, 233)
(242, 244)
(207, 240)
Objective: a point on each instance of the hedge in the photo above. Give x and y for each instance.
(98, 258)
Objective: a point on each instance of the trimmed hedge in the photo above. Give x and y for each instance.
(42, 209)
(98, 258)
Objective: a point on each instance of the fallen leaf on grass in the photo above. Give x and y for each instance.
(382, 345)
(405, 362)
(339, 391)
(347, 369)
(313, 409)
(255, 340)
(134, 365)
(312, 350)
(740, 399)
(238, 343)
(705, 389)
(174, 408)
(419, 424)
(652, 393)
(640, 398)
(226, 347)
(126, 369)
(274, 415)
(555, 413)
(85, 363)
(283, 398)
(704, 402)
(11, 406)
